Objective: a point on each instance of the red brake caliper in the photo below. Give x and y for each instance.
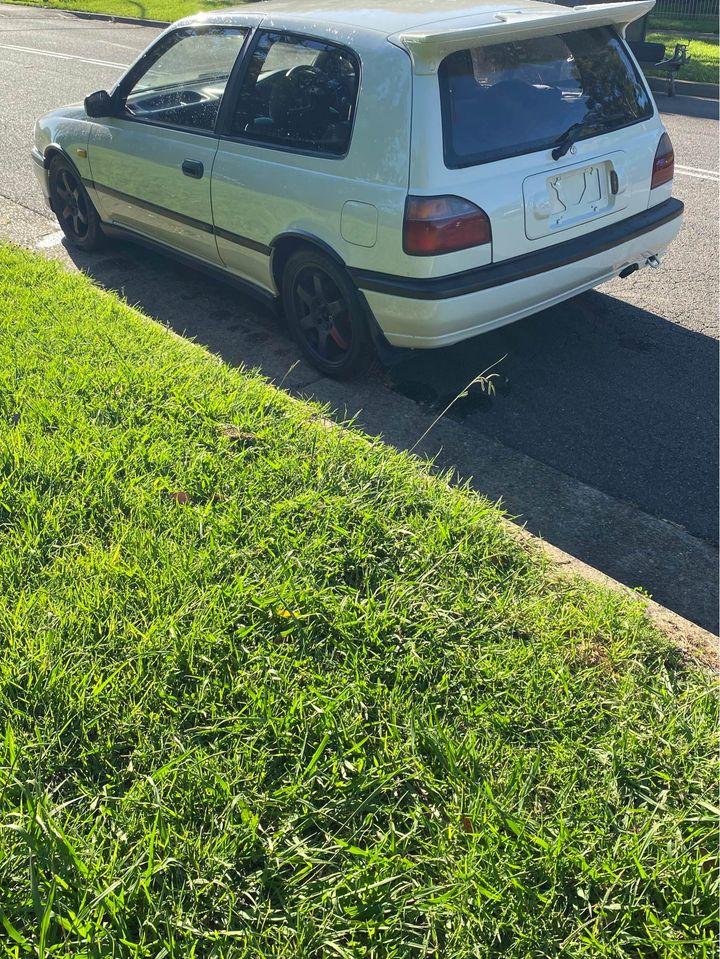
(338, 337)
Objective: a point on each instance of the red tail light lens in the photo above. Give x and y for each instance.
(443, 224)
(664, 162)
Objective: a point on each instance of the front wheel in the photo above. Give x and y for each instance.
(326, 315)
(73, 207)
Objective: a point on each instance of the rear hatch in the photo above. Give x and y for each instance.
(546, 124)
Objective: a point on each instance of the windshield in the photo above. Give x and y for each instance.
(507, 99)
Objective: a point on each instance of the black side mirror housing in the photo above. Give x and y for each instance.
(100, 104)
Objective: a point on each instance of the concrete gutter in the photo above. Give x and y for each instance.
(696, 644)
(131, 21)
(111, 18)
(687, 88)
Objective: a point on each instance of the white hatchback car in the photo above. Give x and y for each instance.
(413, 173)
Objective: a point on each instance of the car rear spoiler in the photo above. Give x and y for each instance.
(430, 44)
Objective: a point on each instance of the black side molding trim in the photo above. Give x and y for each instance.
(257, 292)
(521, 267)
(151, 207)
(242, 241)
(181, 218)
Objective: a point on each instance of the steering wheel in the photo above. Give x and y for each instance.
(301, 99)
(307, 81)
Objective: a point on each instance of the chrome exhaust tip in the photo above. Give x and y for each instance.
(653, 262)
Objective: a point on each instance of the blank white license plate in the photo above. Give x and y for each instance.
(558, 201)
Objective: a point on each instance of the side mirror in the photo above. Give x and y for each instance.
(100, 104)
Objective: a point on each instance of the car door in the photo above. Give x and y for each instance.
(284, 139)
(151, 162)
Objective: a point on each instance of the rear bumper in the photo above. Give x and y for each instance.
(443, 310)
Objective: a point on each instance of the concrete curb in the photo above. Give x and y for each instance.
(110, 18)
(686, 88)
(116, 18)
(86, 15)
(696, 643)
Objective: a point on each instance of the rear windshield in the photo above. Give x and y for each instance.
(512, 98)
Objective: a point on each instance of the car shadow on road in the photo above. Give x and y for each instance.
(701, 107)
(600, 389)
(616, 397)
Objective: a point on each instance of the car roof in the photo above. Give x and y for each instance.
(379, 16)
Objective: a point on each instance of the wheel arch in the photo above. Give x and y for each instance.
(285, 244)
(53, 150)
(283, 247)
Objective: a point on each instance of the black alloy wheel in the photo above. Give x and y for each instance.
(73, 207)
(326, 314)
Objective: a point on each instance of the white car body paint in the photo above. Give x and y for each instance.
(354, 205)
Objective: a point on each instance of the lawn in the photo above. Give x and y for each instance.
(271, 689)
(705, 57)
(168, 10)
(668, 23)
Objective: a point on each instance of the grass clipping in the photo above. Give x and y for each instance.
(271, 689)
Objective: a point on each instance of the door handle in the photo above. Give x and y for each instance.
(193, 168)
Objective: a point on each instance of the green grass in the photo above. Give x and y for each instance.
(171, 10)
(168, 10)
(692, 25)
(705, 55)
(271, 689)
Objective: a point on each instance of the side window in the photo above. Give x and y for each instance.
(184, 83)
(298, 93)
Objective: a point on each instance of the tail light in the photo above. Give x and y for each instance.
(664, 162)
(442, 224)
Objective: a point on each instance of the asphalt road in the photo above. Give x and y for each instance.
(615, 391)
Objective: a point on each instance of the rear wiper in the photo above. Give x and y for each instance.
(566, 139)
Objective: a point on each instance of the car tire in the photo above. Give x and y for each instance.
(73, 207)
(326, 315)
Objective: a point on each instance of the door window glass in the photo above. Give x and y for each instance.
(298, 93)
(185, 81)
